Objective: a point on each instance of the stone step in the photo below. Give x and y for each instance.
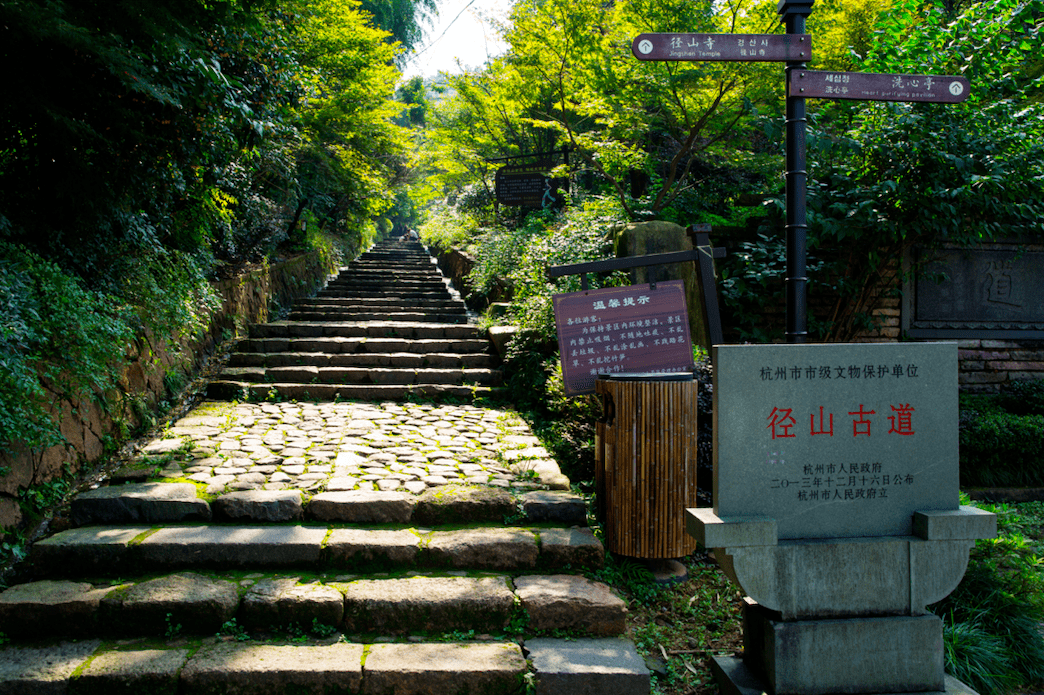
(374, 346)
(443, 504)
(120, 551)
(433, 282)
(426, 273)
(307, 374)
(581, 666)
(225, 389)
(361, 329)
(399, 360)
(378, 303)
(200, 604)
(347, 314)
(403, 295)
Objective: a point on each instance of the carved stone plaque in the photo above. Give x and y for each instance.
(995, 291)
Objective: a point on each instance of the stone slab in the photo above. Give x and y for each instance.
(554, 506)
(197, 603)
(856, 655)
(139, 502)
(364, 548)
(493, 668)
(483, 548)
(152, 671)
(734, 677)
(282, 601)
(50, 608)
(462, 503)
(256, 669)
(835, 440)
(362, 507)
(711, 531)
(570, 547)
(568, 602)
(42, 670)
(597, 666)
(101, 550)
(232, 546)
(260, 505)
(428, 604)
(965, 523)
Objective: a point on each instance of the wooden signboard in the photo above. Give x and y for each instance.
(723, 47)
(622, 329)
(943, 89)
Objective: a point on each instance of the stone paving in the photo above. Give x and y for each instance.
(316, 447)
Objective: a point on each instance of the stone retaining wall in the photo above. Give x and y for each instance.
(986, 365)
(153, 370)
(456, 265)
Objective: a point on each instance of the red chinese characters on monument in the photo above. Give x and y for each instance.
(783, 425)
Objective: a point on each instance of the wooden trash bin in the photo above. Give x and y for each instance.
(645, 463)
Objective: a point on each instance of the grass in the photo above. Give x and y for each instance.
(678, 627)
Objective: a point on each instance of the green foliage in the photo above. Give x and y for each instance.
(1001, 449)
(992, 619)
(1022, 397)
(234, 630)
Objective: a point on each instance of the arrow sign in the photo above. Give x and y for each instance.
(943, 89)
(723, 47)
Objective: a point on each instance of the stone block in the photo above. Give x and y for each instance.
(420, 669)
(362, 507)
(259, 505)
(197, 603)
(427, 604)
(570, 547)
(147, 502)
(568, 602)
(95, 550)
(462, 503)
(712, 531)
(597, 666)
(372, 548)
(231, 547)
(859, 655)
(43, 670)
(966, 523)
(50, 608)
(483, 548)
(152, 671)
(554, 506)
(284, 601)
(232, 668)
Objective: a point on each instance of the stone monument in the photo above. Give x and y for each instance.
(836, 510)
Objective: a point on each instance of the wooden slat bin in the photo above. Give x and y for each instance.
(645, 463)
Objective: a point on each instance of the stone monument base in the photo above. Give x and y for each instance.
(734, 677)
(818, 657)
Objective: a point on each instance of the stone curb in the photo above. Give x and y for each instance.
(176, 502)
(201, 604)
(578, 667)
(219, 547)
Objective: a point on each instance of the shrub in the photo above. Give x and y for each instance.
(1023, 397)
(999, 449)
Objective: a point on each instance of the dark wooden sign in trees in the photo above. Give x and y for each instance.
(722, 47)
(944, 89)
(530, 185)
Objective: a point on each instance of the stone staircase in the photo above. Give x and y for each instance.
(280, 548)
(386, 328)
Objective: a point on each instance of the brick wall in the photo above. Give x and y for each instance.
(986, 365)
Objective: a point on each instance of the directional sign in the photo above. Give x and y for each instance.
(944, 89)
(722, 47)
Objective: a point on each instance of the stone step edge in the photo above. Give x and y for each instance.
(451, 503)
(202, 604)
(226, 389)
(554, 666)
(118, 550)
